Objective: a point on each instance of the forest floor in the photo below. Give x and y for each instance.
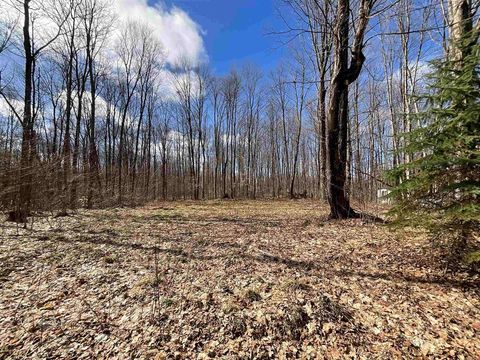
(233, 280)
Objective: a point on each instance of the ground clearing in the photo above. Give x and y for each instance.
(229, 279)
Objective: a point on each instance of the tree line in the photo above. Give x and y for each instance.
(93, 115)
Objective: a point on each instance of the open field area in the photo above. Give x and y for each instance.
(229, 279)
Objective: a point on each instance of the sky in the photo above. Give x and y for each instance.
(235, 31)
(224, 33)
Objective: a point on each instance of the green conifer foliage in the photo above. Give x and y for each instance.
(442, 191)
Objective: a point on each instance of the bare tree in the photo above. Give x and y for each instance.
(31, 52)
(132, 52)
(345, 72)
(96, 19)
(300, 90)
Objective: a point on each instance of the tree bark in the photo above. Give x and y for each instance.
(25, 191)
(343, 75)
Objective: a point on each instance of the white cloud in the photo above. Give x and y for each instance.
(176, 144)
(180, 36)
(5, 109)
(168, 91)
(170, 83)
(100, 104)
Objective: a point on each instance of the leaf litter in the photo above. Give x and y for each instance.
(233, 280)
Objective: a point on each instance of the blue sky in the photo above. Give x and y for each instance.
(236, 31)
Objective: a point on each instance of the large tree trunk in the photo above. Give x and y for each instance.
(68, 115)
(460, 24)
(93, 174)
(25, 191)
(343, 75)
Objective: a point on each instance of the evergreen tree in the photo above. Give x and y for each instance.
(442, 191)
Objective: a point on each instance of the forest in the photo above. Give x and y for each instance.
(322, 206)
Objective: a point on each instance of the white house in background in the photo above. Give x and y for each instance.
(382, 196)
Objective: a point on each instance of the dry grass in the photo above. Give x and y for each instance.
(229, 279)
